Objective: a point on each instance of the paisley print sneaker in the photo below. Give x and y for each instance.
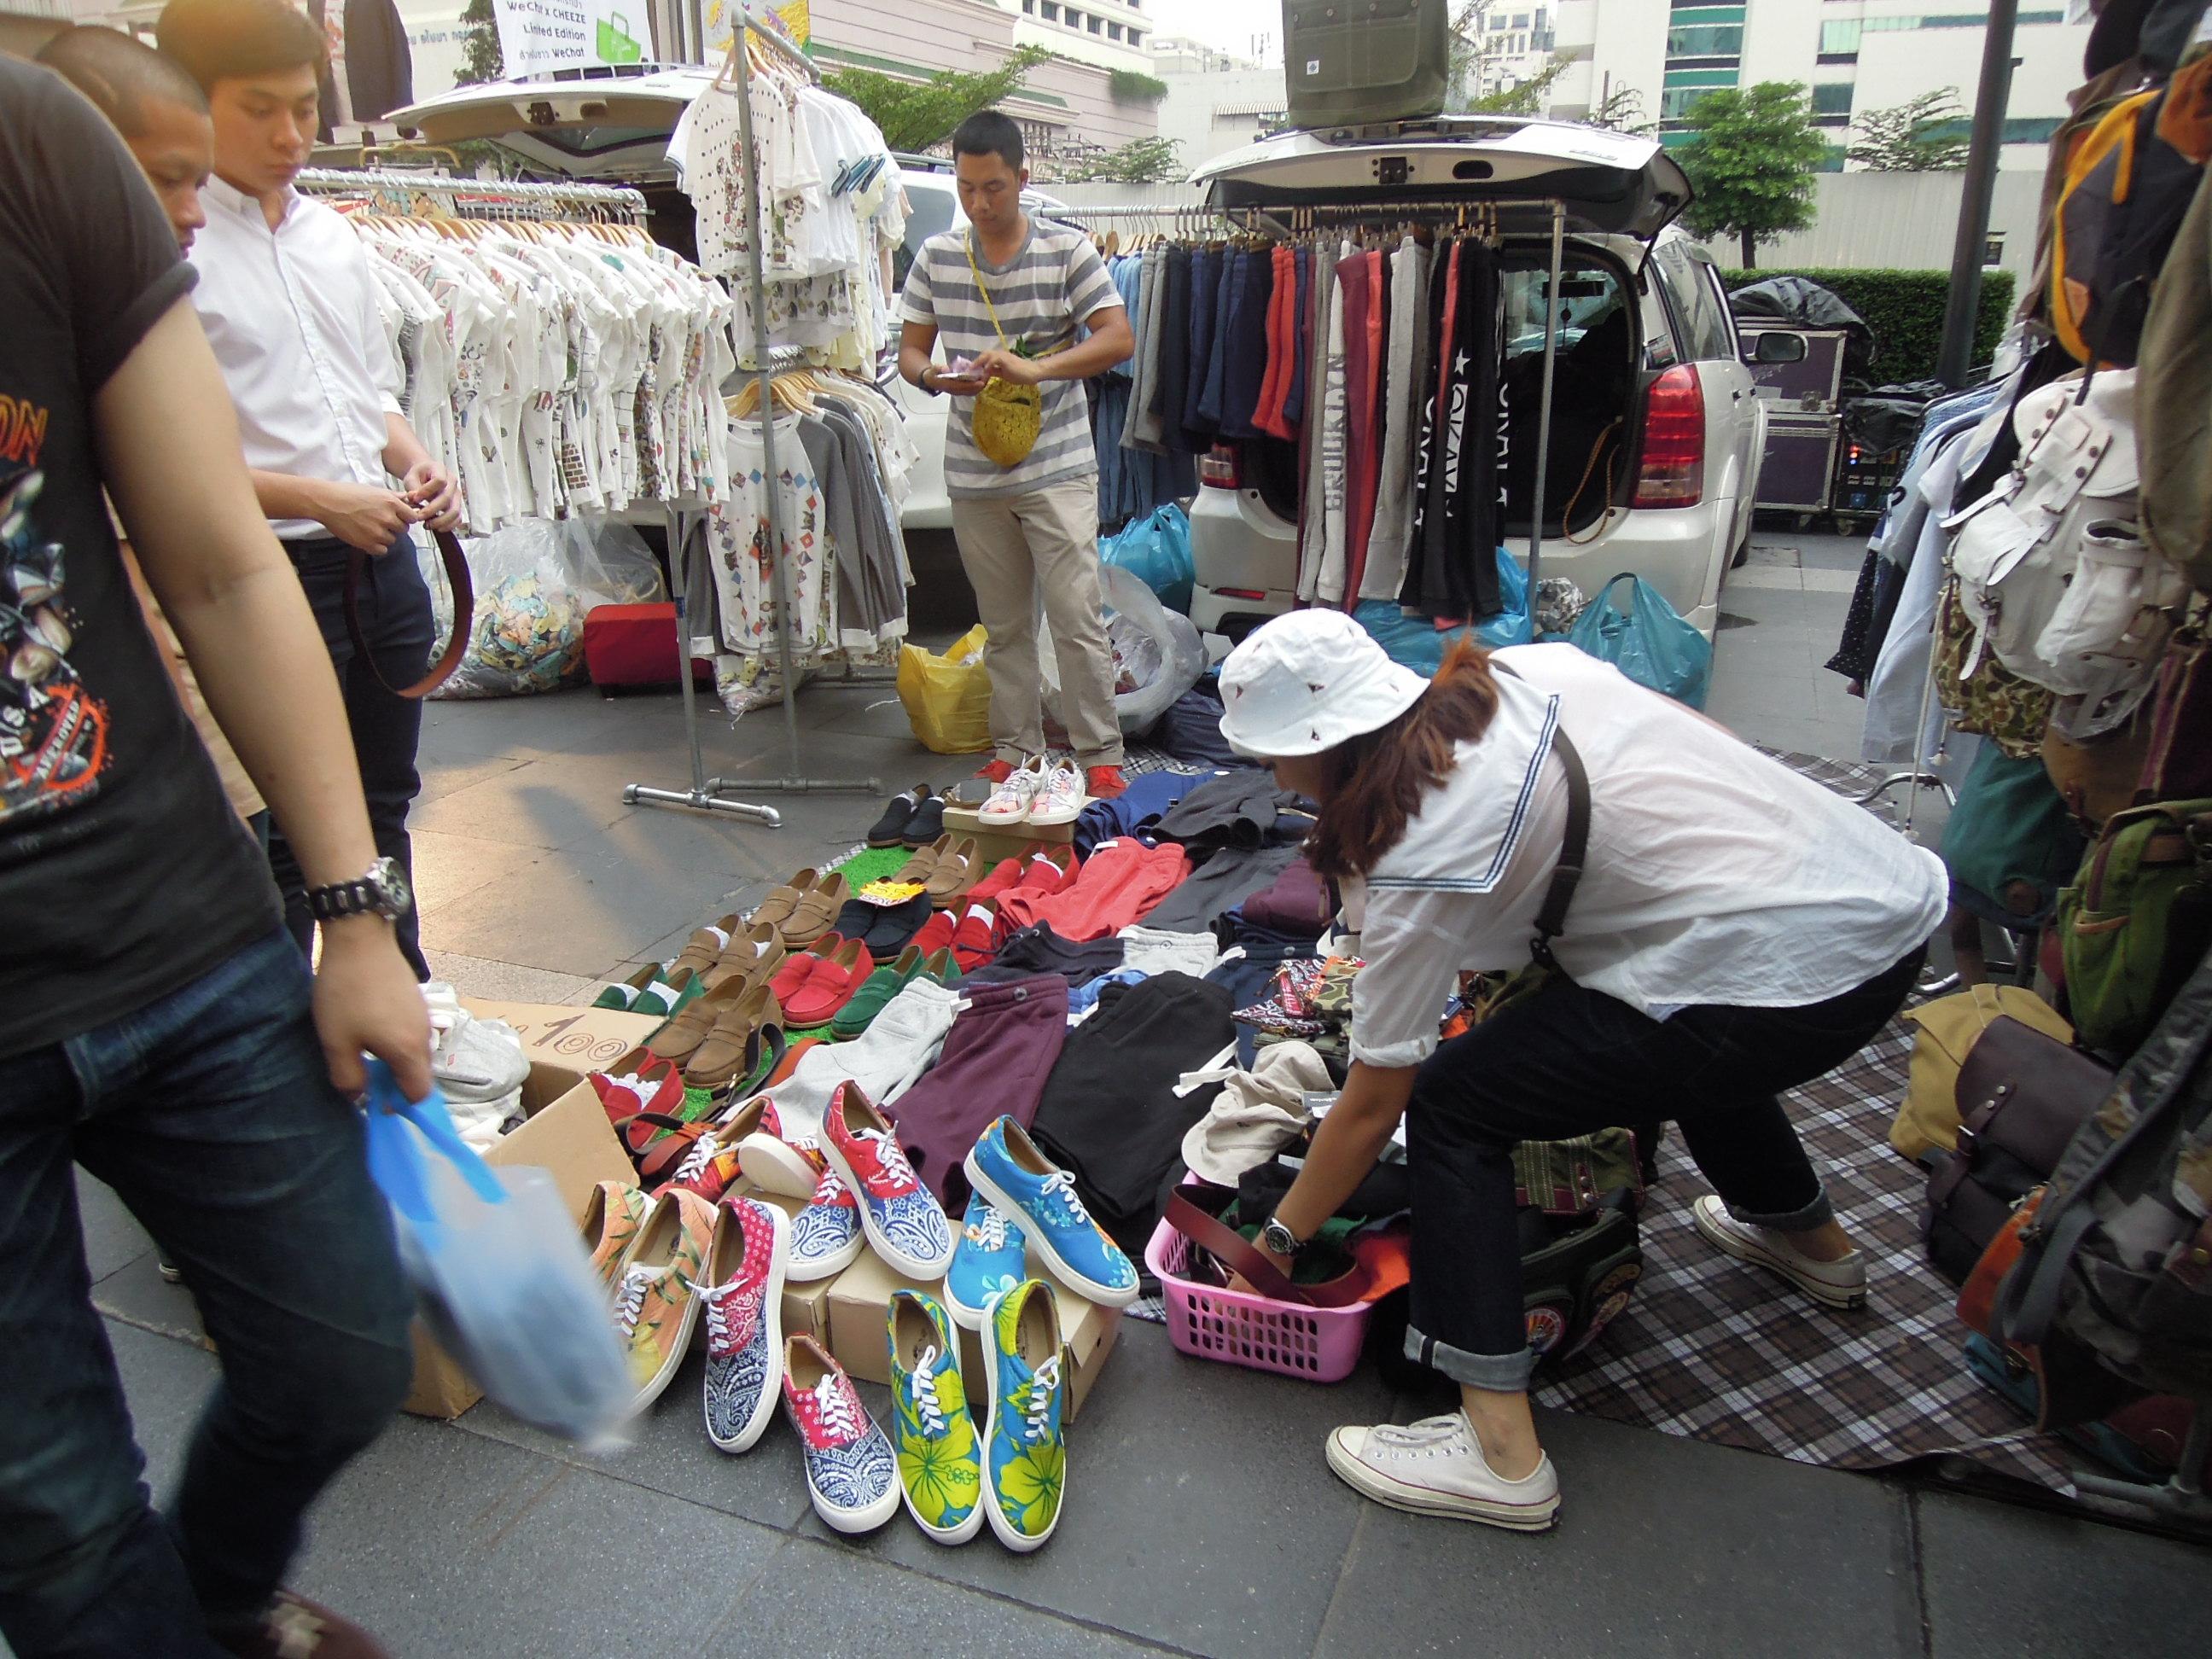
(904, 1223)
(851, 1475)
(741, 1299)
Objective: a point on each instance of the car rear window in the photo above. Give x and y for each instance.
(929, 210)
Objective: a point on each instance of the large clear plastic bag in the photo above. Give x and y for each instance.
(499, 1269)
(1158, 655)
(535, 582)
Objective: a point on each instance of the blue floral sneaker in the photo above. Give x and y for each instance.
(989, 1260)
(851, 1475)
(1007, 1168)
(1025, 1442)
(940, 1462)
(904, 1222)
(741, 1300)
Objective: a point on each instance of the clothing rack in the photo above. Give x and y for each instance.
(768, 359)
(479, 198)
(1286, 220)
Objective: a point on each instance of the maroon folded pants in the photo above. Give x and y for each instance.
(1002, 1046)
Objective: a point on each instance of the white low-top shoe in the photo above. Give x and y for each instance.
(1434, 1467)
(1838, 1284)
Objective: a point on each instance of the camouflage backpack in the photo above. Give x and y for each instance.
(2118, 1258)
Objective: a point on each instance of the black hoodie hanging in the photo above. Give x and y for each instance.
(1459, 514)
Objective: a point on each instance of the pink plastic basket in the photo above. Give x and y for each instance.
(1320, 1345)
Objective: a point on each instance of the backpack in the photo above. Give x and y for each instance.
(2118, 1258)
(1347, 63)
(2173, 402)
(1948, 1028)
(2125, 193)
(2053, 575)
(2136, 919)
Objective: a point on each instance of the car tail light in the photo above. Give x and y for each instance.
(1252, 593)
(1218, 469)
(1673, 471)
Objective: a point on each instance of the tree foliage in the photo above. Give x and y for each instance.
(1522, 97)
(916, 114)
(1921, 135)
(1621, 111)
(1140, 161)
(1752, 163)
(1135, 87)
(481, 59)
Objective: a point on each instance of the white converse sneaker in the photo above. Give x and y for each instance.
(1434, 1467)
(1838, 1284)
(1059, 800)
(1010, 801)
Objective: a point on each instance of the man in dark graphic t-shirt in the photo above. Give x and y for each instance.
(157, 1026)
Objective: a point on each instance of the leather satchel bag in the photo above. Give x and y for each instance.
(2021, 1096)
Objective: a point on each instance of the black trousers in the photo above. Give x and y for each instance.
(1570, 1061)
(396, 626)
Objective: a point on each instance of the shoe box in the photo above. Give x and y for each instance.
(567, 1134)
(997, 841)
(860, 1313)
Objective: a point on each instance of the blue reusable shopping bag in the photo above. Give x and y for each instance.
(499, 1269)
(1418, 644)
(1155, 550)
(1649, 642)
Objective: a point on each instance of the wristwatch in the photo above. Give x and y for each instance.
(1280, 1239)
(921, 382)
(383, 891)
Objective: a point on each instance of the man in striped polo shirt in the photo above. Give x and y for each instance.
(1029, 530)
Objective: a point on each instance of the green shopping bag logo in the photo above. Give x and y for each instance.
(617, 43)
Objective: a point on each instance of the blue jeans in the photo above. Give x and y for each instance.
(210, 1112)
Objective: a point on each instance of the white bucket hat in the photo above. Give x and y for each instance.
(1307, 682)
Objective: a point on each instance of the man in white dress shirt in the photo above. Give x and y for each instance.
(288, 302)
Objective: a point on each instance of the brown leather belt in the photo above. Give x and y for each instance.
(464, 606)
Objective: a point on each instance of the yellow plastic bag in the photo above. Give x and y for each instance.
(948, 698)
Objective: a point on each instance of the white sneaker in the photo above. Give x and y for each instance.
(475, 1061)
(1435, 1468)
(1838, 1284)
(1061, 798)
(1010, 801)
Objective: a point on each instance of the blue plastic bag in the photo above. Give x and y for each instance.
(1649, 642)
(1418, 644)
(499, 1268)
(1156, 552)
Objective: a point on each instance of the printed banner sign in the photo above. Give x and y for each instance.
(536, 35)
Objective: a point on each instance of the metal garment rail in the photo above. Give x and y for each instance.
(768, 360)
(475, 199)
(1286, 220)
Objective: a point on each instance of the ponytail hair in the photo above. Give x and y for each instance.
(1376, 780)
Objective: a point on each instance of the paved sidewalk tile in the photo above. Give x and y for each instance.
(1200, 1512)
(2002, 1581)
(112, 1237)
(1664, 1547)
(815, 1598)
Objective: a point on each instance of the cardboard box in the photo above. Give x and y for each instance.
(567, 1135)
(583, 1039)
(859, 1315)
(996, 843)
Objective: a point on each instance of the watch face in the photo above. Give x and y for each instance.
(391, 884)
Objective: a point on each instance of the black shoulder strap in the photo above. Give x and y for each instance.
(1574, 847)
(1574, 844)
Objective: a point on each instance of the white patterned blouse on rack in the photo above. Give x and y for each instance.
(554, 367)
(830, 208)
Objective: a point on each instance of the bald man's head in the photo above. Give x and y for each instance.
(154, 103)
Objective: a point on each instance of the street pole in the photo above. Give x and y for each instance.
(1990, 97)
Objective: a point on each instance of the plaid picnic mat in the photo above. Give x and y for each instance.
(1716, 1349)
